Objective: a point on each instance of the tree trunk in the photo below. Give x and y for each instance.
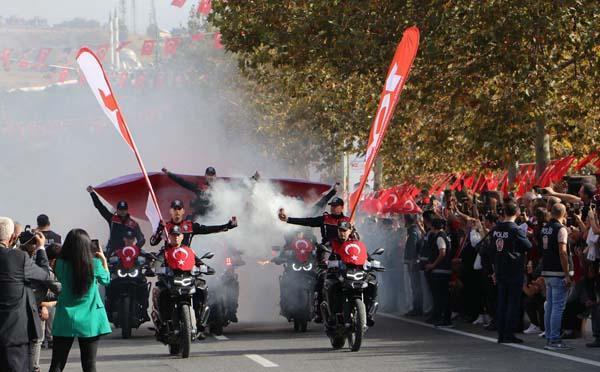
(513, 168)
(542, 147)
(378, 169)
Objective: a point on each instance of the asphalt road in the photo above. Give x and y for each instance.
(392, 345)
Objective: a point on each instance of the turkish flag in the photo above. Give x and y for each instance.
(394, 82)
(352, 252)
(6, 58)
(303, 249)
(148, 47)
(128, 255)
(180, 258)
(63, 75)
(178, 3)
(43, 55)
(371, 206)
(205, 6)
(218, 44)
(171, 45)
(586, 160)
(198, 36)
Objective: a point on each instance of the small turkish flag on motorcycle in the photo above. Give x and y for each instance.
(180, 258)
(303, 249)
(352, 252)
(128, 255)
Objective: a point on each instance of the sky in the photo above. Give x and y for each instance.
(56, 11)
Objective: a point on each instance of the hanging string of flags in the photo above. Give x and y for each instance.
(400, 199)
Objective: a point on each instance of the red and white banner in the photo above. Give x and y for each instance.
(396, 78)
(92, 70)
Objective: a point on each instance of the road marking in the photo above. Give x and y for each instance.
(260, 360)
(493, 340)
(221, 337)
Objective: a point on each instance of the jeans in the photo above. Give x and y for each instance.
(509, 303)
(62, 347)
(556, 297)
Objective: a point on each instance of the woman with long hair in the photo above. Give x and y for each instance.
(80, 311)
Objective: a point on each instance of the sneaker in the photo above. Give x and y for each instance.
(479, 320)
(595, 343)
(510, 340)
(557, 346)
(532, 330)
(543, 335)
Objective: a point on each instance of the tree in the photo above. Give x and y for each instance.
(486, 75)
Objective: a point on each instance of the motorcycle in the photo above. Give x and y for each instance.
(128, 292)
(297, 284)
(172, 304)
(223, 297)
(345, 312)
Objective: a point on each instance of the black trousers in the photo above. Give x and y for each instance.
(62, 347)
(440, 291)
(15, 358)
(509, 305)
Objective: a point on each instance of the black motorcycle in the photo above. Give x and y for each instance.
(172, 305)
(348, 289)
(223, 297)
(297, 288)
(128, 292)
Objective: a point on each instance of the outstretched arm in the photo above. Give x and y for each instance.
(310, 221)
(198, 229)
(183, 183)
(104, 212)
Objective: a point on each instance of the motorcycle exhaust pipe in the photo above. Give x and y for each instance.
(374, 309)
(205, 315)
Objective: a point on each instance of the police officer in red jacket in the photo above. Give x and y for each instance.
(188, 227)
(119, 223)
(328, 223)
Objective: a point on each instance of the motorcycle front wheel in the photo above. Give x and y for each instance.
(125, 317)
(185, 330)
(359, 323)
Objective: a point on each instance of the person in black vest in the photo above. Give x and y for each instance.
(440, 268)
(556, 273)
(119, 223)
(511, 247)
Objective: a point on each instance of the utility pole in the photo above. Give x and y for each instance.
(156, 31)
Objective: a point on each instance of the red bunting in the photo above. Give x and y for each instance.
(204, 7)
(148, 47)
(178, 3)
(585, 161)
(171, 45)
(6, 58)
(43, 55)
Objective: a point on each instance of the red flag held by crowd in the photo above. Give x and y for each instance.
(178, 3)
(198, 36)
(148, 47)
(43, 55)
(586, 160)
(171, 45)
(217, 40)
(6, 58)
(394, 82)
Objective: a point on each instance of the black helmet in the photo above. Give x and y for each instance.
(210, 171)
(345, 225)
(336, 201)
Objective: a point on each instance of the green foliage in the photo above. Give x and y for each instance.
(485, 74)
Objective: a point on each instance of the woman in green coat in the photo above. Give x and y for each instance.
(79, 311)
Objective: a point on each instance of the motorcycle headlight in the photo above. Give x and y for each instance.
(185, 282)
(308, 267)
(122, 273)
(359, 275)
(134, 273)
(296, 267)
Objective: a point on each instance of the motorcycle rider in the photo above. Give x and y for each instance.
(119, 223)
(328, 223)
(187, 226)
(175, 241)
(347, 233)
(201, 204)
